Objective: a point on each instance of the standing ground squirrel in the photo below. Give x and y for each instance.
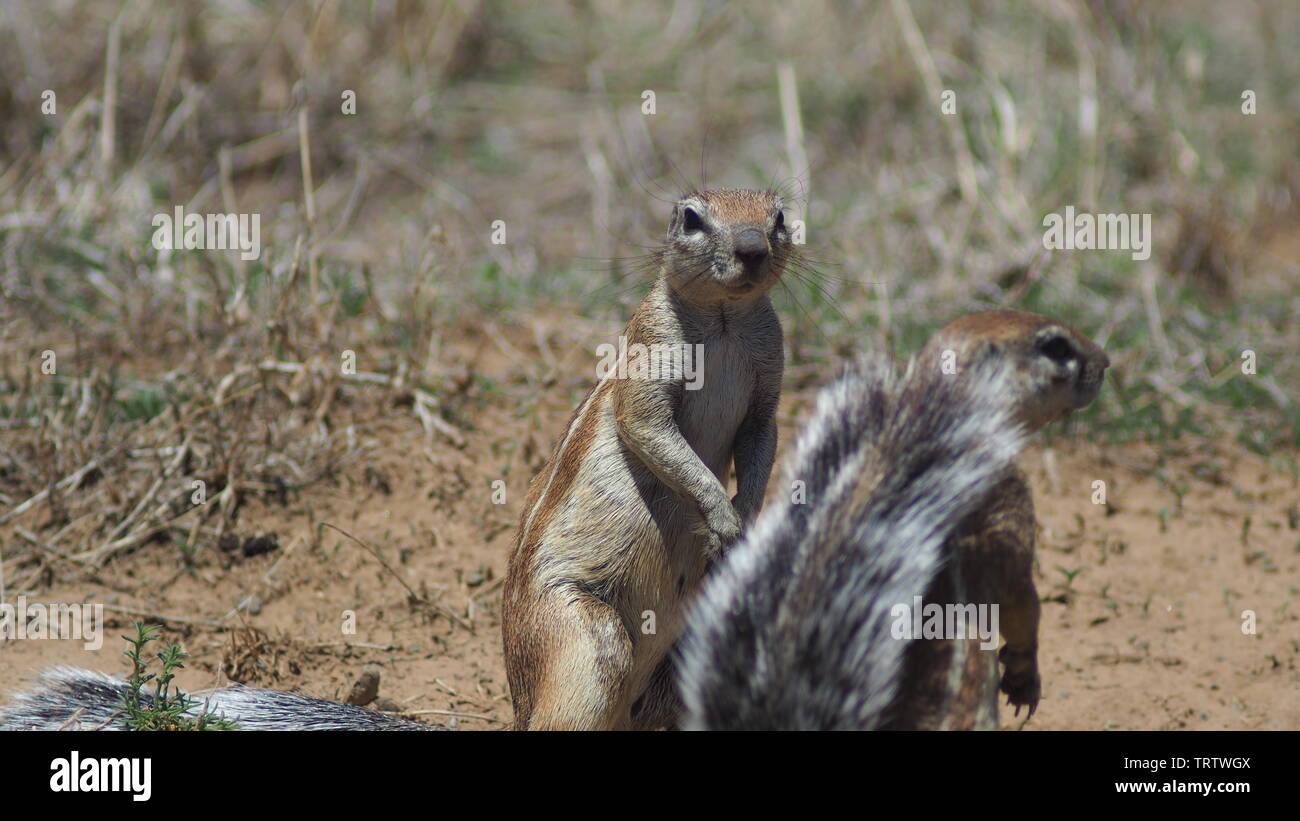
(911, 491)
(632, 508)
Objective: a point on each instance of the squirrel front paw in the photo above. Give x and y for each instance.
(1020, 678)
(721, 529)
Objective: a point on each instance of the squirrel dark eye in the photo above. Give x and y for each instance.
(1057, 348)
(780, 221)
(691, 221)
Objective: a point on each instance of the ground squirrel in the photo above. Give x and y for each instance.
(632, 507)
(911, 490)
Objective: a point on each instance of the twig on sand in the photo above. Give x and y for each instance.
(452, 713)
(446, 611)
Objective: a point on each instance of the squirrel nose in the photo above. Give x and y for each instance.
(751, 246)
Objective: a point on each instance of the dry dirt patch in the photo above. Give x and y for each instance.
(1142, 596)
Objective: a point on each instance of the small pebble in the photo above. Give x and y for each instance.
(365, 689)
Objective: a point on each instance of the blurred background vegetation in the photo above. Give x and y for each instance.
(531, 113)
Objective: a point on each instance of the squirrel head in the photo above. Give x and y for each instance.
(1057, 370)
(726, 246)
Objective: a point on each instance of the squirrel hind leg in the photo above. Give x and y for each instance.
(660, 706)
(579, 684)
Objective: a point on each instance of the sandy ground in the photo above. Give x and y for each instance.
(1143, 596)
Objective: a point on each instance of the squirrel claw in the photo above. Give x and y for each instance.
(1020, 681)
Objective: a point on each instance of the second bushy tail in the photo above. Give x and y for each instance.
(794, 629)
(69, 698)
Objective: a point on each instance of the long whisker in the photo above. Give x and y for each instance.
(814, 267)
(827, 298)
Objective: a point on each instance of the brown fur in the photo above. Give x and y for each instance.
(623, 521)
(953, 684)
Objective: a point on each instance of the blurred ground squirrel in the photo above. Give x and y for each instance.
(632, 507)
(911, 491)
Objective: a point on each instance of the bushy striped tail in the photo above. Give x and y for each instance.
(793, 630)
(69, 698)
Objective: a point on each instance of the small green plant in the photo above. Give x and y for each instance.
(169, 707)
(1070, 574)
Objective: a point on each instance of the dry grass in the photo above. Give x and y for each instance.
(181, 367)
